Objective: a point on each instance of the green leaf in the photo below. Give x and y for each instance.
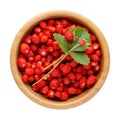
(81, 48)
(80, 57)
(80, 34)
(62, 42)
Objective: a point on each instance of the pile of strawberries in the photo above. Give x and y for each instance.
(39, 50)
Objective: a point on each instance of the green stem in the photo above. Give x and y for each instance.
(62, 58)
(53, 63)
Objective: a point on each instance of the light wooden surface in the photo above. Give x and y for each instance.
(72, 102)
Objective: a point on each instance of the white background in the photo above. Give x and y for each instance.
(15, 105)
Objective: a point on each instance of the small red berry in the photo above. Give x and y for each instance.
(93, 63)
(71, 90)
(90, 72)
(34, 47)
(49, 42)
(64, 96)
(78, 76)
(55, 73)
(35, 39)
(71, 75)
(64, 22)
(93, 38)
(37, 30)
(31, 78)
(43, 52)
(78, 91)
(82, 82)
(95, 58)
(37, 58)
(79, 69)
(87, 67)
(38, 71)
(73, 63)
(59, 28)
(66, 81)
(66, 68)
(55, 45)
(82, 42)
(41, 84)
(37, 77)
(29, 71)
(24, 48)
(43, 24)
(50, 49)
(51, 22)
(97, 68)
(91, 80)
(45, 89)
(90, 50)
(51, 29)
(51, 94)
(58, 94)
(35, 88)
(44, 39)
(76, 84)
(28, 39)
(69, 36)
(98, 53)
(21, 62)
(25, 78)
(96, 46)
(54, 84)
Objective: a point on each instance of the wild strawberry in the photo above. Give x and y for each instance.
(95, 58)
(37, 30)
(66, 81)
(64, 22)
(58, 94)
(51, 22)
(24, 48)
(59, 28)
(21, 62)
(41, 84)
(78, 76)
(96, 46)
(66, 68)
(51, 94)
(64, 96)
(29, 71)
(69, 36)
(82, 42)
(71, 75)
(73, 63)
(35, 88)
(82, 82)
(54, 84)
(71, 90)
(91, 80)
(44, 39)
(45, 89)
(90, 50)
(98, 53)
(43, 52)
(25, 78)
(28, 39)
(93, 38)
(35, 39)
(43, 24)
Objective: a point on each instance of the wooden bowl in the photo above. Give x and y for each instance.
(75, 101)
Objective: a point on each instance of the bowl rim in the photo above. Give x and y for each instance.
(72, 102)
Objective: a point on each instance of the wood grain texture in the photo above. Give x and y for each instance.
(72, 102)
